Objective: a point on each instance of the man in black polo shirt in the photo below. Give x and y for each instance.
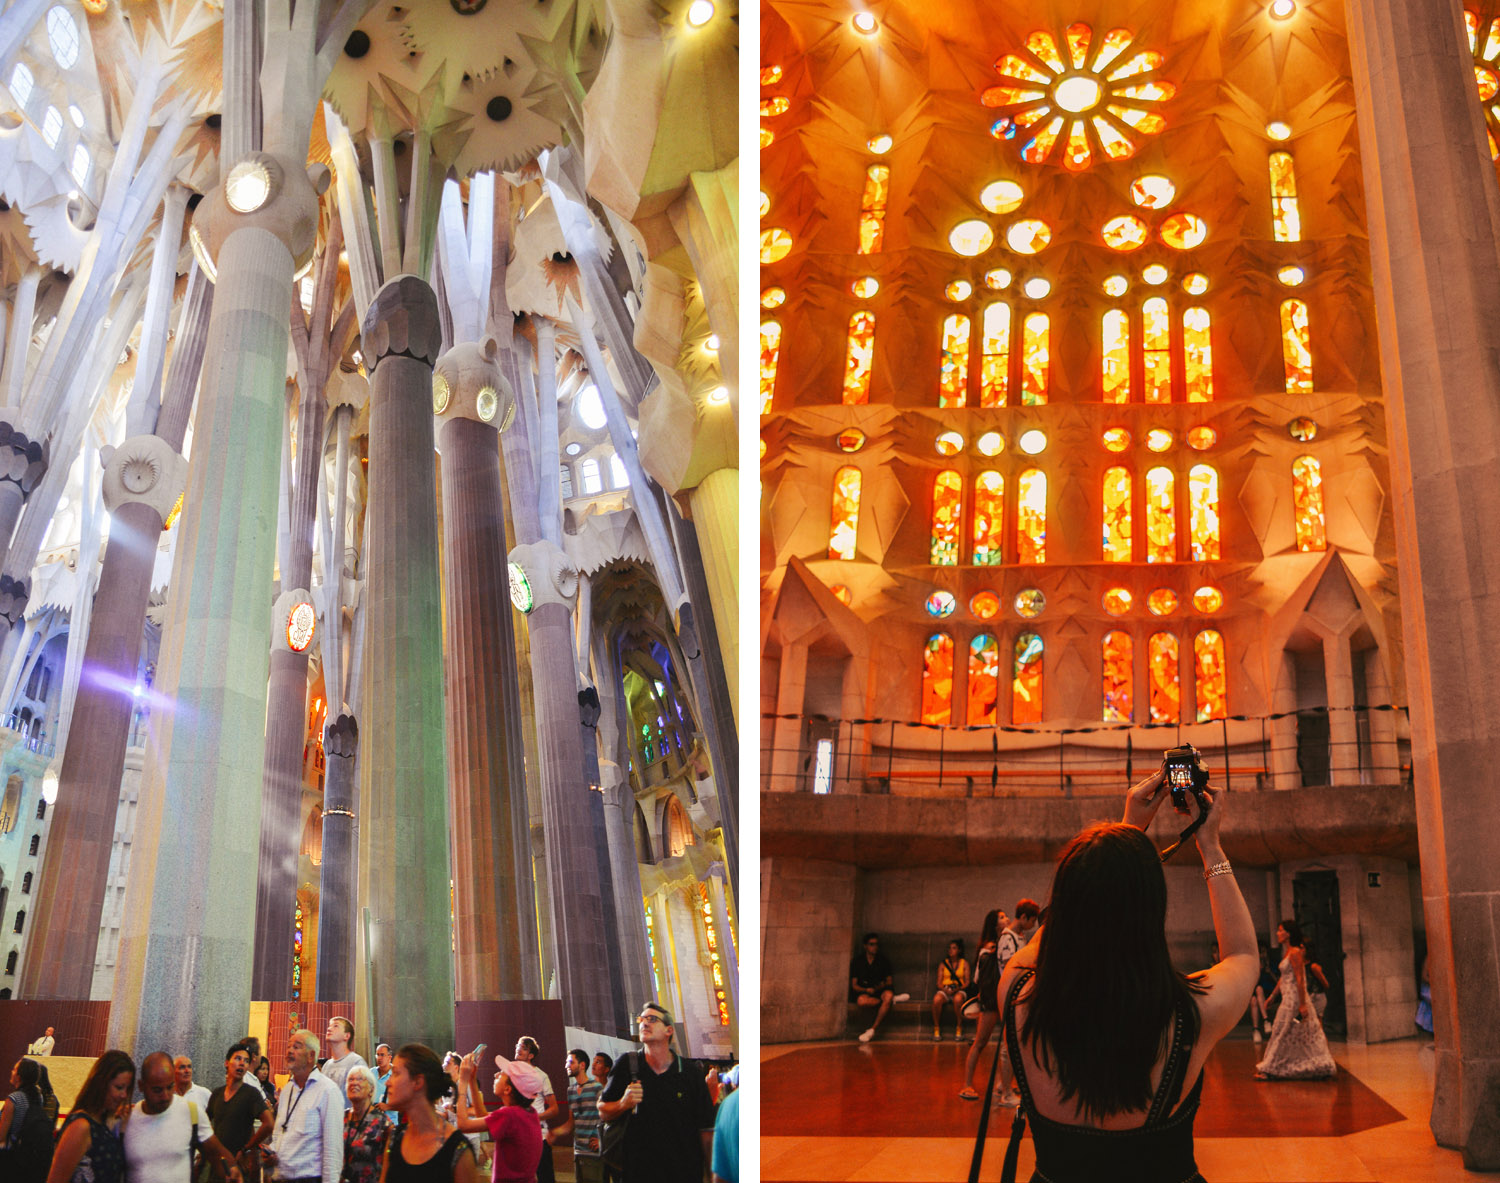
(671, 1130)
(870, 983)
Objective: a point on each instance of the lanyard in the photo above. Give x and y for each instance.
(285, 1121)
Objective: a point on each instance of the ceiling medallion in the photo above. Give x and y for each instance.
(1085, 96)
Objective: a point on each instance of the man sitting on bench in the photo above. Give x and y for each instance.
(870, 983)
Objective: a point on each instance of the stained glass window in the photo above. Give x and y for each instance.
(1116, 515)
(953, 379)
(937, 679)
(1161, 601)
(1117, 601)
(770, 354)
(941, 604)
(1035, 357)
(984, 679)
(989, 518)
(859, 359)
(1286, 221)
(1116, 354)
(947, 516)
(1296, 347)
(1026, 681)
(1156, 340)
(1203, 512)
(1161, 516)
(845, 529)
(994, 374)
(1030, 603)
(1197, 355)
(1307, 497)
(1119, 674)
(872, 208)
(1031, 516)
(1208, 674)
(1165, 684)
(985, 605)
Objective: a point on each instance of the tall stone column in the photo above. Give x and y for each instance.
(729, 961)
(1343, 728)
(494, 900)
(336, 899)
(1434, 222)
(786, 734)
(403, 835)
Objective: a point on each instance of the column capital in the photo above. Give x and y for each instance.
(341, 737)
(402, 321)
(268, 192)
(14, 593)
(467, 383)
(550, 575)
(145, 469)
(23, 460)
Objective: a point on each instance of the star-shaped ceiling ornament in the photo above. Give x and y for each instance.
(1091, 97)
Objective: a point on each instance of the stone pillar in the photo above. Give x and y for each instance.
(1385, 758)
(715, 505)
(403, 836)
(1433, 212)
(336, 899)
(1343, 728)
(494, 900)
(729, 962)
(630, 918)
(1283, 731)
(786, 734)
(142, 481)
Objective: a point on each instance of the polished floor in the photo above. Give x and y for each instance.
(888, 1112)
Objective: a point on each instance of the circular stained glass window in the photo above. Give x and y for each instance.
(1030, 602)
(1302, 428)
(1208, 599)
(851, 439)
(1278, 130)
(1037, 287)
(842, 594)
(1183, 232)
(985, 605)
(1152, 192)
(1291, 276)
(950, 443)
(1033, 442)
(1200, 439)
(1155, 274)
(1117, 601)
(300, 623)
(879, 145)
(765, 205)
(774, 106)
(1158, 439)
(997, 280)
(767, 137)
(1000, 197)
(1115, 439)
(865, 286)
(969, 238)
(1195, 284)
(941, 604)
(1161, 600)
(770, 75)
(1116, 285)
(1028, 236)
(1125, 233)
(991, 443)
(959, 289)
(775, 245)
(773, 298)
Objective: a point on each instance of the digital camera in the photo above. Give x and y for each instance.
(1186, 773)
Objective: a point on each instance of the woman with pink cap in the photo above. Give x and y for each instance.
(514, 1126)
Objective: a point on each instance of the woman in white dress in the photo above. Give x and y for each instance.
(1298, 1050)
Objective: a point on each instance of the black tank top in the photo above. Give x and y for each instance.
(437, 1169)
(1160, 1151)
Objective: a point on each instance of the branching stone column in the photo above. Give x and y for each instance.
(494, 901)
(1434, 221)
(336, 901)
(23, 461)
(403, 832)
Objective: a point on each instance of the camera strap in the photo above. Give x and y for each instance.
(1184, 836)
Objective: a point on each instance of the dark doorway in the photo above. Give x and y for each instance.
(1312, 747)
(1315, 907)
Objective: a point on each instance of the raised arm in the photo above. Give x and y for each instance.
(1234, 977)
(469, 1121)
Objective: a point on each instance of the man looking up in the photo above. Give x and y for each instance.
(307, 1141)
(340, 1058)
(239, 1112)
(162, 1131)
(382, 1070)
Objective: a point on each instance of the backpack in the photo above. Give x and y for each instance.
(30, 1156)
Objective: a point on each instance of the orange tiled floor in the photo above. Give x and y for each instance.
(885, 1113)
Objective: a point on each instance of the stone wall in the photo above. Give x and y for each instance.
(808, 928)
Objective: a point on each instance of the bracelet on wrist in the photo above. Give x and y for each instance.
(1220, 868)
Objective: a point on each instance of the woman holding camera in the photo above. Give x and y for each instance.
(1107, 1039)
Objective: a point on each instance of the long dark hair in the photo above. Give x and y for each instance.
(95, 1090)
(1293, 934)
(1104, 1030)
(30, 1072)
(991, 930)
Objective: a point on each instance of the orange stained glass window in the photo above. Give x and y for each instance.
(770, 353)
(1156, 340)
(1208, 674)
(1286, 220)
(872, 208)
(1116, 356)
(1197, 355)
(1161, 516)
(953, 379)
(989, 518)
(984, 680)
(1119, 674)
(1307, 498)
(1035, 359)
(1026, 681)
(1203, 512)
(1116, 515)
(1296, 347)
(994, 374)
(859, 359)
(1031, 516)
(937, 679)
(947, 516)
(1164, 681)
(845, 527)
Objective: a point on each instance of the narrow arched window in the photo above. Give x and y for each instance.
(1208, 675)
(36, 842)
(1307, 500)
(1296, 347)
(1156, 346)
(953, 377)
(588, 473)
(994, 366)
(20, 920)
(859, 358)
(770, 354)
(1203, 513)
(1161, 516)
(1026, 681)
(21, 84)
(937, 679)
(1165, 681)
(844, 531)
(1036, 358)
(984, 680)
(1031, 516)
(565, 480)
(1116, 357)
(1197, 356)
(618, 477)
(1117, 515)
(947, 517)
(989, 518)
(26, 883)
(79, 168)
(1286, 219)
(1119, 676)
(872, 208)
